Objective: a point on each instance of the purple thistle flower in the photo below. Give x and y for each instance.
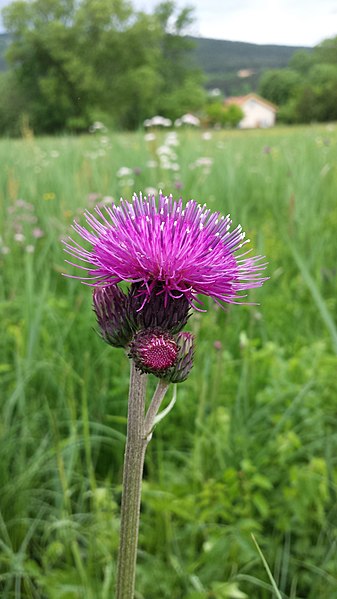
(159, 244)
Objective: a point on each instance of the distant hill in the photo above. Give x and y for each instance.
(235, 67)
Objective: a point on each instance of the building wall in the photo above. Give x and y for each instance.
(256, 115)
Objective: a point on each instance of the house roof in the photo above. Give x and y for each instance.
(241, 100)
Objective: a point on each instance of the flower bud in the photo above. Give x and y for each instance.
(154, 351)
(181, 369)
(113, 317)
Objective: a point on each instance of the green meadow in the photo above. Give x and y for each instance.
(249, 450)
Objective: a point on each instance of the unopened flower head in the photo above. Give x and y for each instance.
(184, 363)
(167, 356)
(154, 351)
(167, 248)
(114, 317)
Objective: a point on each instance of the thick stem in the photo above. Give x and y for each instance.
(132, 481)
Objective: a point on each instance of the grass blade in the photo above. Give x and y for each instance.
(270, 576)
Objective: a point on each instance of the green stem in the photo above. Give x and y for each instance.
(132, 481)
(155, 404)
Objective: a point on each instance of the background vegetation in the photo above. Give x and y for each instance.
(71, 64)
(222, 61)
(305, 91)
(251, 444)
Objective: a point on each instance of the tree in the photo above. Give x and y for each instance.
(326, 52)
(224, 116)
(306, 91)
(56, 56)
(323, 81)
(279, 85)
(301, 62)
(12, 104)
(74, 59)
(181, 90)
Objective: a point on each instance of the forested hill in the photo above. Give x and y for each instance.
(235, 67)
(214, 56)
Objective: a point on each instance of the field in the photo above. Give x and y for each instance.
(251, 445)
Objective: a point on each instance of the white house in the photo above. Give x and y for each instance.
(257, 111)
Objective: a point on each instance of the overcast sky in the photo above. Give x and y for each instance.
(285, 22)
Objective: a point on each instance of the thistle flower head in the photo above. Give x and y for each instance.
(163, 247)
(167, 356)
(154, 351)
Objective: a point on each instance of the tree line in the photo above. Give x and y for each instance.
(305, 91)
(75, 62)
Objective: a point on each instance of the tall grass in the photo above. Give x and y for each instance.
(250, 447)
